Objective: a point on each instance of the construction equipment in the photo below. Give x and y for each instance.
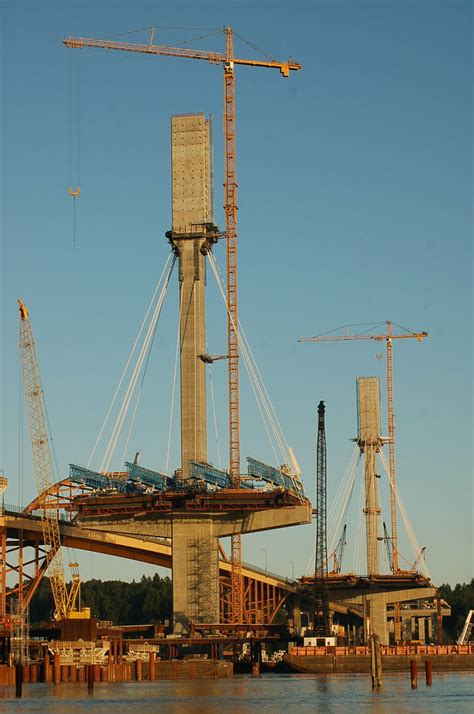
(228, 61)
(388, 337)
(321, 598)
(419, 557)
(465, 636)
(388, 546)
(338, 553)
(64, 598)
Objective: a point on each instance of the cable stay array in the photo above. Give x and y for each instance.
(337, 513)
(284, 459)
(139, 369)
(127, 395)
(417, 551)
(338, 518)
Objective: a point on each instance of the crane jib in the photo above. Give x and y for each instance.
(165, 50)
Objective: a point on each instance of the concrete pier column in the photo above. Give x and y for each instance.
(421, 630)
(377, 612)
(296, 613)
(430, 629)
(195, 572)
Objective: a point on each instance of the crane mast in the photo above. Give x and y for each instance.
(321, 603)
(230, 208)
(64, 598)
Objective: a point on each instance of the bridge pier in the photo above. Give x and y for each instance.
(195, 573)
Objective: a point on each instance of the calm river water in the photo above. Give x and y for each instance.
(244, 695)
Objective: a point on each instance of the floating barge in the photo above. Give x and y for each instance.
(356, 660)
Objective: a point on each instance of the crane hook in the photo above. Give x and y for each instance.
(74, 192)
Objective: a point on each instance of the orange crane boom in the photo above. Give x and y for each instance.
(168, 51)
(230, 207)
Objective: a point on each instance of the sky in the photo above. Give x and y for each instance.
(355, 189)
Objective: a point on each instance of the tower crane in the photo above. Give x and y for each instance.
(228, 61)
(64, 598)
(388, 337)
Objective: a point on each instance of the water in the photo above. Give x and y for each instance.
(250, 695)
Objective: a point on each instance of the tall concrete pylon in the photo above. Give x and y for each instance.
(192, 235)
(370, 442)
(195, 546)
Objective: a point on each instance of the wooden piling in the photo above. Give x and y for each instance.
(152, 666)
(18, 679)
(73, 673)
(56, 668)
(90, 677)
(428, 673)
(64, 673)
(413, 674)
(47, 671)
(375, 661)
(34, 672)
(138, 670)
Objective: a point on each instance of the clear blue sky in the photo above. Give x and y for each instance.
(355, 188)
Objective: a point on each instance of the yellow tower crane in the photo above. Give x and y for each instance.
(64, 598)
(228, 61)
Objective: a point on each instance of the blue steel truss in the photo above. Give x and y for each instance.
(272, 475)
(204, 472)
(93, 479)
(147, 477)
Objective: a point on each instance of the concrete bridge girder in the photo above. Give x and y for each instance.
(223, 524)
(375, 608)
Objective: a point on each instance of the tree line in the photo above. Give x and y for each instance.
(461, 599)
(150, 600)
(147, 601)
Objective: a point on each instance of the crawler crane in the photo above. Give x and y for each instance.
(64, 598)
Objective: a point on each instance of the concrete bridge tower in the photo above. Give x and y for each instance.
(191, 236)
(195, 518)
(370, 443)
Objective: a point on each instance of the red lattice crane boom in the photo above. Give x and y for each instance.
(228, 61)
